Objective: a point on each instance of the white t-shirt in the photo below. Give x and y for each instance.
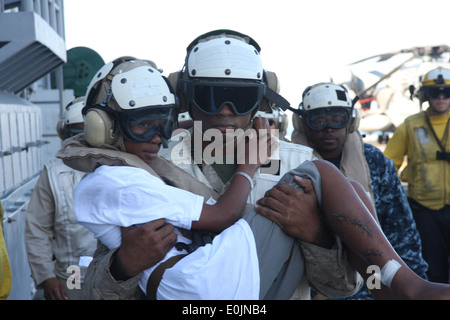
(118, 196)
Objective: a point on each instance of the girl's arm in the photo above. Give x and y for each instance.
(229, 207)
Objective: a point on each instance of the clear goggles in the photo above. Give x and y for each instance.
(323, 118)
(70, 132)
(435, 92)
(242, 97)
(142, 124)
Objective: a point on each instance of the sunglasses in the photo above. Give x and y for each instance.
(435, 92)
(242, 97)
(142, 124)
(323, 118)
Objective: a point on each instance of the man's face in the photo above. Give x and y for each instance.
(328, 142)
(439, 105)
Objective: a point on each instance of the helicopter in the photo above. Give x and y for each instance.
(387, 85)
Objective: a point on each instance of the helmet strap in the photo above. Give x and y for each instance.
(279, 100)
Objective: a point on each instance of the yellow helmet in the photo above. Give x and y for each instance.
(437, 77)
(434, 83)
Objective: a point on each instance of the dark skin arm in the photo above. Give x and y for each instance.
(141, 248)
(228, 209)
(54, 289)
(344, 208)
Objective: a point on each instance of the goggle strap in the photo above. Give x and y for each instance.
(277, 99)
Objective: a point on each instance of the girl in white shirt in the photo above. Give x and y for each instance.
(119, 196)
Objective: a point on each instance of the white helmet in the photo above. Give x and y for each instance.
(325, 95)
(225, 57)
(72, 115)
(73, 111)
(225, 67)
(129, 84)
(328, 105)
(123, 93)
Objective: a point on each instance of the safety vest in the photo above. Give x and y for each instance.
(72, 239)
(5, 268)
(428, 178)
(77, 154)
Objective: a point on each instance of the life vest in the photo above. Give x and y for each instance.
(77, 154)
(5, 268)
(427, 176)
(72, 239)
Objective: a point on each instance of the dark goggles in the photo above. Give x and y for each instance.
(435, 92)
(142, 124)
(323, 118)
(242, 97)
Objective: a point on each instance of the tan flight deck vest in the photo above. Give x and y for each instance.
(353, 162)
(77, 154)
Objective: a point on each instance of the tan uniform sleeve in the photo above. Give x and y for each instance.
(39, 231)
(329, 272)
(99, 284)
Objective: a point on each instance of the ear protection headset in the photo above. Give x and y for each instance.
(101, 123)
(325, 95)
(270, 79)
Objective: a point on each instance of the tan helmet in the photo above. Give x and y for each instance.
(121, 93)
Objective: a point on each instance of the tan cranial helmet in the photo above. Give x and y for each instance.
(123, 93)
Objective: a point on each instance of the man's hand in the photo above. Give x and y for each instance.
(142, 247)
(296, 213)
(54, 289)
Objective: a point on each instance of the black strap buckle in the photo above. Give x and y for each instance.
(443, 156)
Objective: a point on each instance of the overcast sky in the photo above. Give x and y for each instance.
(302, 41)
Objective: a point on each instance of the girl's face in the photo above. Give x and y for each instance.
(147, 151)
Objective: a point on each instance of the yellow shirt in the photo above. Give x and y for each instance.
(5, 269)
